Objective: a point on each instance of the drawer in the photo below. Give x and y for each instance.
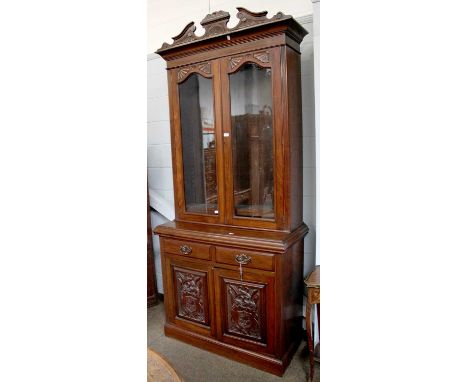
(187, 249)
(257, 260)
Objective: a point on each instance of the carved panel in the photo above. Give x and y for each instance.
(234, 62)
(215, 24)
(191, 295)
(203, 68)
(262, 58)
(245, 309)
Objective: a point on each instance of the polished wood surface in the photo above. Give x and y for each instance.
(245, 310)
(257, 260)
(233, 277)
(191, 308)
(312, 283)
(187, 248)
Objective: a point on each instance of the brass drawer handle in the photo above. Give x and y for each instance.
(185, 249)
(243, 259)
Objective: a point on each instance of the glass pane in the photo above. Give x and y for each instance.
(252, 138)
(198, 145)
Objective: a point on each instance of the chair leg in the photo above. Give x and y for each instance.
(310, 339)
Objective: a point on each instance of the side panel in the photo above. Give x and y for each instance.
(293, 139)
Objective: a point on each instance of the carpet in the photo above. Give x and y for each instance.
(198, 365)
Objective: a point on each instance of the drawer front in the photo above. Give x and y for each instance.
(187, 249)
(265, 261)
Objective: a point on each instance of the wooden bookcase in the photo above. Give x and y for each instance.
(233, 258)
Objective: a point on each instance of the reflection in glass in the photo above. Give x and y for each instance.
(198, 145)
(252, 142)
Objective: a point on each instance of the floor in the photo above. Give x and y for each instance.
(197, 365)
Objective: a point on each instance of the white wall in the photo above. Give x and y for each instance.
(157, 219)
(316, 42)
(308, 139)
(167, 19)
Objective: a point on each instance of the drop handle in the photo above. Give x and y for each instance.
(243, 259)
(185, 249)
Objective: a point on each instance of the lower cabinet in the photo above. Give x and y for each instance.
(215, 302)
(245, 309)
(242, 302)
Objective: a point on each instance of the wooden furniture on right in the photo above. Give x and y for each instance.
(312, 283)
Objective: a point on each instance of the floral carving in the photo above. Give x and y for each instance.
(263, 57)
(235, 61)
(203, 68)
(244, 310)
(191, 296)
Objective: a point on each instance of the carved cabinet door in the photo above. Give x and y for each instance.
(245, 309)
(189, 295)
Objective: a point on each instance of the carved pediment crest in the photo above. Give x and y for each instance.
(215, 24)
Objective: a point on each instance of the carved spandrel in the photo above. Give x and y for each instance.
(215, 24)
(203, 68)
(244, 310)
(263, 58)
(191, 295)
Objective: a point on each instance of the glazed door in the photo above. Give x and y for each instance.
(189, 294)
(245, 309)
(252, 130)
(197, 156)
